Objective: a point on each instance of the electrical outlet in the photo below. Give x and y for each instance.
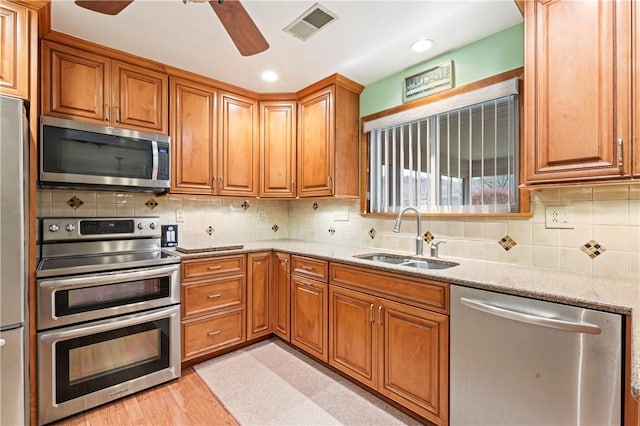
(559, 217)
(342, 215)
(179, 215)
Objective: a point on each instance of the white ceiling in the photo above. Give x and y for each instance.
(368, 42)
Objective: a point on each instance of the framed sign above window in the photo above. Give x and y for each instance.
(434, 80)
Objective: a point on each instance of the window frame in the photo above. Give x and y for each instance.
(524, 194)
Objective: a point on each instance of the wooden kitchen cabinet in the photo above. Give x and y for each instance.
(14, 49)
(213, 305)
(577, 90)
(281, 295)
(238, 145)
(636, 88)
(277, 149)
(193, 137)
(87, 86)
(259, 296)
(396, 348)
(327, 146)
(309, 307)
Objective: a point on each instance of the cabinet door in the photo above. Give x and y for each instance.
(75, 84)
(309, 313)
(316, 138)
(281, 295)
(139, 98)
(414, 367)
(14, 50)
(193, 138)
(277, 149)
(352, 334)
(636, 89)
(237, 145)
(258, 295)
(203, 335)
(577, 94)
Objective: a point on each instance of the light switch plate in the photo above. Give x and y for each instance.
(560, 217)
(341, 215)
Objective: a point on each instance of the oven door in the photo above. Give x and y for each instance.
(86, 365)
(70, 300)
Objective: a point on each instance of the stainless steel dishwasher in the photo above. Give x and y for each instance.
(519, 361)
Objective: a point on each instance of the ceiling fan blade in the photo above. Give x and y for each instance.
(243, 31)
(108, 7)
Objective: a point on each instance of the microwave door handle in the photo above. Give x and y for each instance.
(112, 324)
(96, 280)
(154, 170)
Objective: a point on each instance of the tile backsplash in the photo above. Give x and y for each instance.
(604, 240)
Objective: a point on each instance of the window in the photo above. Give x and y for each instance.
(458, 160)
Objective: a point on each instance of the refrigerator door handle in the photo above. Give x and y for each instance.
(2, 342)
(575, 327)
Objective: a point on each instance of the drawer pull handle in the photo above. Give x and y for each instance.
(214, 296)
(213, 268)
(307, 268)
(214, 333)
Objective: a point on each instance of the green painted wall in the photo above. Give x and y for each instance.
(492, 55)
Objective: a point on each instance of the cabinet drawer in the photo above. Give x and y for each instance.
(211, 267)
(420, 292)
(211, 333)
(198, 298)
(310, 268)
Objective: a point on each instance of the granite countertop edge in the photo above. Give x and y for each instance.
(601, 293)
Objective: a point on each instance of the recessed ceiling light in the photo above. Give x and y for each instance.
(422, 45)
(269, 76)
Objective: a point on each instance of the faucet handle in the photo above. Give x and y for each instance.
(436, 244)
(434, 247)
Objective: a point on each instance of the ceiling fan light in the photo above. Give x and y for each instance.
(422, 45)
(269, 76)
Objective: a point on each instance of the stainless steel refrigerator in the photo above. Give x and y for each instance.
(13, 260)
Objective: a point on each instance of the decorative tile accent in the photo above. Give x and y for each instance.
(151, 203)
(332, 231)
(372, 233)
(428, 236)
(75, 202)
(209, 230)
(315, 206)
(275, 228)
(245, 205)
(507, 243)
(593, 249)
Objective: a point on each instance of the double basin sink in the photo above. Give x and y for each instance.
(411, 262)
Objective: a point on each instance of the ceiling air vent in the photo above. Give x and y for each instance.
(310, 22)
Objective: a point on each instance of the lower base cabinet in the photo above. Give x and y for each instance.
(399, 350)
(213, 332)
(309, 313)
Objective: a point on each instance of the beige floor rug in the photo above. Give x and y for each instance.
(270, 383)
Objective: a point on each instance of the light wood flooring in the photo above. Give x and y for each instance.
(186, 401)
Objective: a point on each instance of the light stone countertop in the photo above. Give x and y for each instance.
(601, 293)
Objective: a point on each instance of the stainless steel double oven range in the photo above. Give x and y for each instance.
(108, 312)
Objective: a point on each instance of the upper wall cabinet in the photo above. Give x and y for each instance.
(328, 114)
(238, 147)
(14, 50)
(86, 86)
(636, 88)
(278, 149)
(578, 90)
(193, 137)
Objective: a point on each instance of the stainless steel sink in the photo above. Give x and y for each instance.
(411, 262)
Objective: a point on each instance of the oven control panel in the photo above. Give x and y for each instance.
(98, 228)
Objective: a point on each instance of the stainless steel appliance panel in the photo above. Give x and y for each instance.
(519, 361)
(13, 184)
(12, 383)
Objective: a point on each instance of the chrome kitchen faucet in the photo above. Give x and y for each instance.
(419, 240)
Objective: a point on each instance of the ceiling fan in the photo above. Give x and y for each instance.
(243, 31)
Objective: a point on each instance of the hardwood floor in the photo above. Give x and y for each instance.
(186, 401)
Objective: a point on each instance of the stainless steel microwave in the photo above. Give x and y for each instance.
(82, 155)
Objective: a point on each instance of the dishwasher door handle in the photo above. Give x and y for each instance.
(575, 327)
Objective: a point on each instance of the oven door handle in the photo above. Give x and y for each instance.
(115, 277)
(110, 324)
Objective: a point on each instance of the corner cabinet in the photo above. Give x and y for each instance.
(81, 85)
(578, 90)
(328, 114)
(258, 295)
(278, 149)
(281, 295)
(391, 333)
